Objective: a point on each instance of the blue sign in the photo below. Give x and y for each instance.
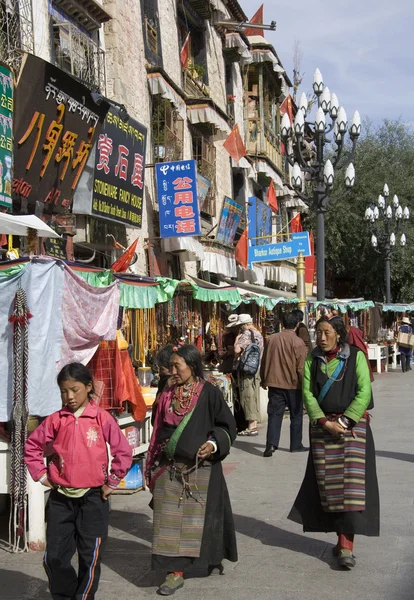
(178, 199)
(299, 242)
(260, 222)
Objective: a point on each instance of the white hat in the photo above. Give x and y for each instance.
(406, 320)
(236, 320)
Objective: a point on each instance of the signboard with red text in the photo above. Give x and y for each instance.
(178, 199)
(118, 186)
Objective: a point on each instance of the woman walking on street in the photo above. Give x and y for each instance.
(81, 483)
(405, 351)
(340, 491)
(193, 432)
(248, 385)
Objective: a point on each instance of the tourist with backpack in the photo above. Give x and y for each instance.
(248, 352)
(281, 372)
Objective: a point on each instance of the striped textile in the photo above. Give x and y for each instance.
(340, 468)
(179, 513)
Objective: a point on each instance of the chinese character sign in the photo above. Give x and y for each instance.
(260, 222)
(229, 221)
(56, 122)
(118, 187)
(178, 199)
(6, 136)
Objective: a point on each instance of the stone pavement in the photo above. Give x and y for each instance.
(277, 561)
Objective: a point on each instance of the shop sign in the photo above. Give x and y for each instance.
(229, 221)
(299, 242)
(177, 199)
(118, 187)
(62, 247)
(260, 222)
(56, 121)
(6, 136)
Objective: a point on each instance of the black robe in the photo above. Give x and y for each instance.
(211, 417)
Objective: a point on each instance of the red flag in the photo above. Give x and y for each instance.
(310, 262)
(234, 144)
(296, 224)
(242, 249)
(123, 262)
(257, 19)
(271, 197)
(286, 107)
(185, 51)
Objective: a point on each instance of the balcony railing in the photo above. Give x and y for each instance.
(79, 55)
(194, 88)
(267, 145)
(16, 31)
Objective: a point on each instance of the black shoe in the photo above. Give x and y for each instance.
(301, 449)
(269, 451)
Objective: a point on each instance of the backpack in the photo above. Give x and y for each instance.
(249, 361)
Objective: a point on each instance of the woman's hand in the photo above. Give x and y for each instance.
(106, 491)
(334, 428)
(205, 451)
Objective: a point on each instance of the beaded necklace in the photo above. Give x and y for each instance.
(183, 397)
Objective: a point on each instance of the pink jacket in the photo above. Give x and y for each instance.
(79, 450)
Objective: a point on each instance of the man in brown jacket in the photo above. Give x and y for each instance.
(281, 372)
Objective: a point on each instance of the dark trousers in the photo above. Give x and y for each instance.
(279, 399)
(405, 362)
(75, 524)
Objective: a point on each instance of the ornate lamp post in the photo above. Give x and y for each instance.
(384, 233)
(320, 170)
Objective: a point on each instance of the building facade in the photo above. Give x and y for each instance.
(130, 52)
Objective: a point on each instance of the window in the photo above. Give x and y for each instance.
(16, 31)
(167, 131)
(195, 77)
(204, 152)
(152, 37)
(76, 52)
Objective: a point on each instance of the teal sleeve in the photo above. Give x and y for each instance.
(311, 403)
(360, 403)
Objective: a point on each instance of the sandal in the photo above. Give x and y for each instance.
(248, 433)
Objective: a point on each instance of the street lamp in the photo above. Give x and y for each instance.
(321, 170)
(383, 233)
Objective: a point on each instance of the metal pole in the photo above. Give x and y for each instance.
(387, 274)
(301, 285)
(320, 242)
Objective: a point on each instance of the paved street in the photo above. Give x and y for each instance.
(277, 560)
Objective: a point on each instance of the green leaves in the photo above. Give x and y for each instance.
(385, 154)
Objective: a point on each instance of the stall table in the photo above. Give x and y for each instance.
(377, 354)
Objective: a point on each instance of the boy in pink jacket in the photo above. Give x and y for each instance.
(77, 510)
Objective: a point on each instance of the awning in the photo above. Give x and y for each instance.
(260, 55)
(280, 273)
(88, 13)
(203, 113)
(263, 290)
(209, 292)
(400, 308)
(18, 224)
(234, 40)
(158, 86)
(296, 203)
(253, 275)
(344, 305)
(188, 244)
(263, 167)
(221, 262)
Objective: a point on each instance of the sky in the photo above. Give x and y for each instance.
(363, 48)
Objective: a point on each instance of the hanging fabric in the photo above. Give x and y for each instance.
(20, 412)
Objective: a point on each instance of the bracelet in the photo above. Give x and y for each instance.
(43, 478)
(344, 422)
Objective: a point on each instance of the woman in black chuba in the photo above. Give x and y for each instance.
(193, 432)
(340, 491)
